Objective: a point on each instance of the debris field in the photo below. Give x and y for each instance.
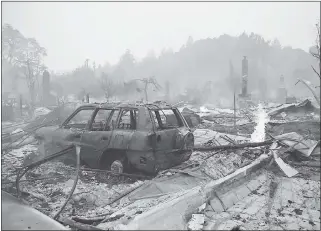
(282, 194)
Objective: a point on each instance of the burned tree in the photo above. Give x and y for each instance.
(25, 55)
(149, 81)
(315, 51)
(11, 44)
(107, 86)
(30, 61)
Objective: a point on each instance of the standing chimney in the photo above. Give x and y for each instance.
(244, 76)
(282, 92)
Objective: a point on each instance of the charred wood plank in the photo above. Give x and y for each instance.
(236, 146)
(78, 225)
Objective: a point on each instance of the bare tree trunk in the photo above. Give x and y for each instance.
(145, 90)
(313, 92)
(32, 98)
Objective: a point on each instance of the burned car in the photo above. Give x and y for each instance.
(123, 137)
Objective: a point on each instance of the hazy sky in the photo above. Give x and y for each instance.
(72, 32)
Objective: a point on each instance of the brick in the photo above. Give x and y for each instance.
(242, 192)
(253, 184)
(217, 205)
(229, 199)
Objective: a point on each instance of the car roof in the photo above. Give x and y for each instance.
(152, 106)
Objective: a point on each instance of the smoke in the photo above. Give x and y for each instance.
(262, 119)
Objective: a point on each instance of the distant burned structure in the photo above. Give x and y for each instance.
(282, 92)
(245, 68)
(47, 98)
(244, 97)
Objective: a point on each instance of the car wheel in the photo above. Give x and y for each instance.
(117, 166)
(116, 162)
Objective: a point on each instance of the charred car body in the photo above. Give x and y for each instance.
(120, 137)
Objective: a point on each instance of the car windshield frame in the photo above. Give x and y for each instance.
(65, 123)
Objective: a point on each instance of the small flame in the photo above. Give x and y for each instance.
(262, 119)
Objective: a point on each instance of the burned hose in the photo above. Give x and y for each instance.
(74, 185)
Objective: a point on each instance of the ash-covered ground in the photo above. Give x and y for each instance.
(47, 186)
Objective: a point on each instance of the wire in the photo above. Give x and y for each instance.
(74, 185)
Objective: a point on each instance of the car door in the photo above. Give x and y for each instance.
(71, 130)
(98, 136)
(124, 129)
(164, 138)
(165, 128)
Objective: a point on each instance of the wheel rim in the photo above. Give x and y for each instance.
(117, 167)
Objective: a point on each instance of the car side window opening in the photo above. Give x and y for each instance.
(156, 118)
(128, 119)
(100, 120)
(166, 118)
(113, 119)
(80, 119)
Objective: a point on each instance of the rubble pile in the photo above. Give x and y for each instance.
(106, 201)
(303, 118)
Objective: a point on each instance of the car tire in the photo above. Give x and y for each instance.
(117, 166)
(116, 162)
